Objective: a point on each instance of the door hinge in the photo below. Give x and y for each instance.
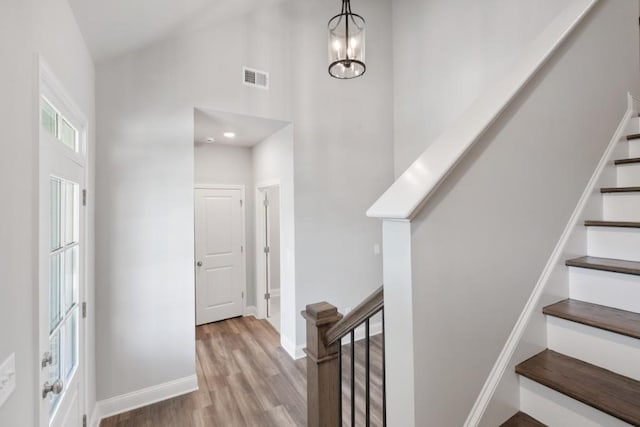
(84, 197)
(267, 296)
(265, 202)
(242, 249)
(266, 249)
(84, 310)
(84, 421)
(242, 294)
(240, 202)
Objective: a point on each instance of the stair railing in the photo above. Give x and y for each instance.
(325, 330)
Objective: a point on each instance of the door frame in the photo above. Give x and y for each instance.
(243, 237)
(47, 84)
(260, 264)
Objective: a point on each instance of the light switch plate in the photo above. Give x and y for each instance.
(7, 378)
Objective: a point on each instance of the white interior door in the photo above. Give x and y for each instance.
(61, 264)
(220, 267)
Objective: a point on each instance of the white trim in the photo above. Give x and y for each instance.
(202, 186)
(260, 187)
(411, 190)
(504, 359)
(49, 86)
(296, 352)
(144, 397)
(251, 310)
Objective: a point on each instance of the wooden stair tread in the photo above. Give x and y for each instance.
(633, 136)
(522, 420)
(619, 224)
(598, 316)
(627, 161)
(606, 264)
(614, 394)
(619, 189)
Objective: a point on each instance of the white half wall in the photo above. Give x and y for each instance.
(482, 241)
(29, 28)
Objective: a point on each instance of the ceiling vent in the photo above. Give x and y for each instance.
(255, 78)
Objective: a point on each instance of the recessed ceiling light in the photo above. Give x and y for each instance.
(229, 134)
(211, 140)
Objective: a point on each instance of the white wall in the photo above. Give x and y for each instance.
(343, 158)
(145, 178)
(445, 53)
(273, 162)
(26, 28)
(481, 242)
(224, 164)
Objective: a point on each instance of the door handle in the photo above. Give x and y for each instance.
(55, 388)
(199, 264)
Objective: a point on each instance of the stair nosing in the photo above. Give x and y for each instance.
(558, 386)
(627, 161)
(600, 264)
(607, 190)
(633, 136)
(550, 310)
(522, 416)
(615, 224)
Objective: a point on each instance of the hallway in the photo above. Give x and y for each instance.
(247, 379)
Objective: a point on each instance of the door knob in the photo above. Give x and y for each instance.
(199, 264)
(55, 388)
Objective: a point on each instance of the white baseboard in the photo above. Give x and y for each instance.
(296, 352)
(147, 396)
(251, 310)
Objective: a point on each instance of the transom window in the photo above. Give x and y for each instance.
(58, 126)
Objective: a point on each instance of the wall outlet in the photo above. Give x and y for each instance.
(7, 378)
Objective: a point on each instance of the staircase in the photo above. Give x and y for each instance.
(590, 373)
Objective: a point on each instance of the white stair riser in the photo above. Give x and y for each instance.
(634, 148)
(614, 242)
(628, 175)
(621, 291)
(621, 206)
(634, 125)
(557, 410)
(605, 349)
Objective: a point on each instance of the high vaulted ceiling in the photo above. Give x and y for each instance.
(114, 27)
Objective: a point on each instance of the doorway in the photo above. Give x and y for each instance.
(268, 236)
(220, 255)
(62, 134)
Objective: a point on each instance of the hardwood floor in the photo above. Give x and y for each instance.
(246, 379)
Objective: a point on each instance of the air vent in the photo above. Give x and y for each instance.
(255, 78)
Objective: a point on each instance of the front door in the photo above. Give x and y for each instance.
(61, 264)
(219, 236)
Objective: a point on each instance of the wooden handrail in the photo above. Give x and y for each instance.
(357, 316)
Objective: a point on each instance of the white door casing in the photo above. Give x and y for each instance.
(61, 255)
(219, 249)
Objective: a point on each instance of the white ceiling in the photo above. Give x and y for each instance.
(114, 27)
(249, 130)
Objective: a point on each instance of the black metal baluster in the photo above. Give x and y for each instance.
(384, 378)
(367, 371)
(340, 379)
(353, 379)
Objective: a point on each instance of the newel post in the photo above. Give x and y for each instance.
(323, 393)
